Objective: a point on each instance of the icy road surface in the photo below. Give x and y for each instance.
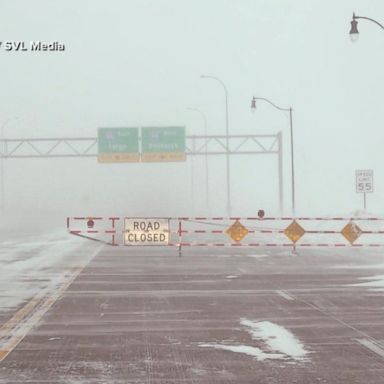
(144, 315)
(32, 263)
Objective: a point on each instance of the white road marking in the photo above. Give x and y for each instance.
(371, 346)
(285, 295)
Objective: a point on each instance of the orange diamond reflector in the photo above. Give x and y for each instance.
(351, 232)
(237, 231)
(294, 231)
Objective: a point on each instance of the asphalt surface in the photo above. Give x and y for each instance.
(145, 315)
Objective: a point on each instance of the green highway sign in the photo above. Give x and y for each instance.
(163, 144)
(118, 145)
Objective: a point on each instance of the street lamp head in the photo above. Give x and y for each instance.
(354, 33)
(253, 104)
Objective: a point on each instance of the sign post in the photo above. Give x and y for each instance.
(364, 183)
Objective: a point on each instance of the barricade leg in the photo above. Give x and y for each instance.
(180, 238)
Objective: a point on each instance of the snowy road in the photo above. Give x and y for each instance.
(148, 316)
(32, 263)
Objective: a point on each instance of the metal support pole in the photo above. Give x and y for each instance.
(202, 114)
(206, 167)
(365, 201)
(193, 177)
(280, 169)
(253, 106)
(292, 164)
(229, 208)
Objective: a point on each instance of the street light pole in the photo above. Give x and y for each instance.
(292, 163)
(202, 114)
(253, 106)
(227, 139)
(2, 160)
(354, 33)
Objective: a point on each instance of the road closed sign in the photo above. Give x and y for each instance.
(139, 231)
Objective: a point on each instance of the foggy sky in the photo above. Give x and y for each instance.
(138, 63)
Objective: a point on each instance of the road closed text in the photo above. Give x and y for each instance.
(146, 237)
(146, 231)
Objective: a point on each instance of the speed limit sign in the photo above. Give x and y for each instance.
(364, 181)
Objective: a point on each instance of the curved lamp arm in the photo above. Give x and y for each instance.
(201, 113)
(368, 18)
(268, 101)
(217, 79)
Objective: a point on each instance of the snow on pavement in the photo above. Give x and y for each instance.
(245, 349)
(276, 337)
(277, 341)
(375, 283)
(32, 264)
